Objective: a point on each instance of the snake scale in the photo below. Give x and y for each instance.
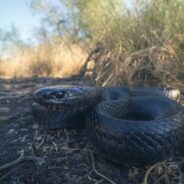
(137, 126)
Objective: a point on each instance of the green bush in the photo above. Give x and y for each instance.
(141, 46)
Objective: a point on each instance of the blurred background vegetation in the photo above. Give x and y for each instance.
(114, 42)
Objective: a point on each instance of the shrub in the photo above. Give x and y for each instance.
(143, 47)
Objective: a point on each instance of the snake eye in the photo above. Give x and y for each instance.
(59, 95)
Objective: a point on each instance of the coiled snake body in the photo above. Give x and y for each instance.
(126, 125)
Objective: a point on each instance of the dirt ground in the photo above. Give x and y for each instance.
(29, 155)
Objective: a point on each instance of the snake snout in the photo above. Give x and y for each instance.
(48, 94)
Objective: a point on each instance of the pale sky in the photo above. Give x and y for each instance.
(18, 13)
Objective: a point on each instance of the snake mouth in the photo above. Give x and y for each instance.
(60, 107)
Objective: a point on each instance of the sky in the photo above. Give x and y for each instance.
(19, 14)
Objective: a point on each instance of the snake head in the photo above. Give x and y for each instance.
(61, 97)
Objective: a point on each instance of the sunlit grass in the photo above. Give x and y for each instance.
(54, 61)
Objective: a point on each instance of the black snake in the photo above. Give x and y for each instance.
(125, 125)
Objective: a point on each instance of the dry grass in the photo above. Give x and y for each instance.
(168, 171)
(44, 60)
(152, 66)
(144, 48)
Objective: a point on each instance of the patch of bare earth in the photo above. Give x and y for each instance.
(30, 155)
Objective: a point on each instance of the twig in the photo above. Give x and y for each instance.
(55, 145)
(22, 158)
(67, 137)
(95, 180)
(74, 141)
(25, 98)
(42, 142)
(149, 171)
(97, 172)
(34, 149)
(4, 176)
(13, 163)
(36, 133)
